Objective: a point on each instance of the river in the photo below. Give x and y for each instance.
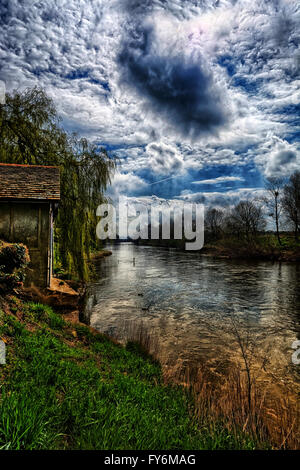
(200, 310)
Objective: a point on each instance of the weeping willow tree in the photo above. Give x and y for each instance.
(31, 133)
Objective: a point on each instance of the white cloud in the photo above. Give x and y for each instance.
(278, 157)
(164, 158)
(124, 184)
(219, 179)
(250, 49)
(223, 199)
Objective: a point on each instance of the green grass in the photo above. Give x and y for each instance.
(86, 392)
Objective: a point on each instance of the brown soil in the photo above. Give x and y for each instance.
(58, 285)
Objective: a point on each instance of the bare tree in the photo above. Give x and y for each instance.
(246, 219)
(291, 201)
(213, 222)
(273, 200)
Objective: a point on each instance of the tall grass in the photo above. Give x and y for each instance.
(64, 387)
(267, 417)
(236, 401)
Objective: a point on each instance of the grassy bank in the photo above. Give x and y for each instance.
(262, 247)
(66, 387)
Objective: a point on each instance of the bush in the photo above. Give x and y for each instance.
(14, 258)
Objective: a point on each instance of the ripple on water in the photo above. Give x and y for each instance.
(194, 305)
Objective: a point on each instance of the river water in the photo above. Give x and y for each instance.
(200, 310)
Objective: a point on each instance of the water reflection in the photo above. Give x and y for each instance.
(192, 303)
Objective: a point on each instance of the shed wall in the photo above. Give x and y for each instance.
(28, 223)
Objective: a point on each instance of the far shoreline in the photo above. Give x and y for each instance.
(218, 251)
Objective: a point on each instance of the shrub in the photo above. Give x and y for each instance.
(14, 258)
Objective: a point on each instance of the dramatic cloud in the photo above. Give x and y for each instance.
(280, 161)
(224, 200)
(279, 158)
(164, 158)
(179, 88)
(182, 91)
(126, 183)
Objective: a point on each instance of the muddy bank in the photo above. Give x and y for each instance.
(100, 254)
(66, 297)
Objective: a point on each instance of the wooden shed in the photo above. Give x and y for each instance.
(29, 197)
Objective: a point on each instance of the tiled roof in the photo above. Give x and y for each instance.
(29, 182)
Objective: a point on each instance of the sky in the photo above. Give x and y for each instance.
(198, 99)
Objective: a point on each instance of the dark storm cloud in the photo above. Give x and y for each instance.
(135, 6)
(283, 29)
(282, 162)
(164, 158)
(286, 156)
(181, 90)
(145, 6)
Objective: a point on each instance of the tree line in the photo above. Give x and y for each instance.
(281, 205)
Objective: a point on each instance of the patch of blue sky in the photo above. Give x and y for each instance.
(293, 136)
(227, 62)
(290, 114)
(251, 87)
(119, 148)
(105, 85)
(86, 73)
(246, 176)
(76, 74)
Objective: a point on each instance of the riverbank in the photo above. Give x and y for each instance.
(263, 247)
(207, 320)
(100, 255)
(255, 252)
(65, 386)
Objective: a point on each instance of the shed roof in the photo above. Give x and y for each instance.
(33, 182)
